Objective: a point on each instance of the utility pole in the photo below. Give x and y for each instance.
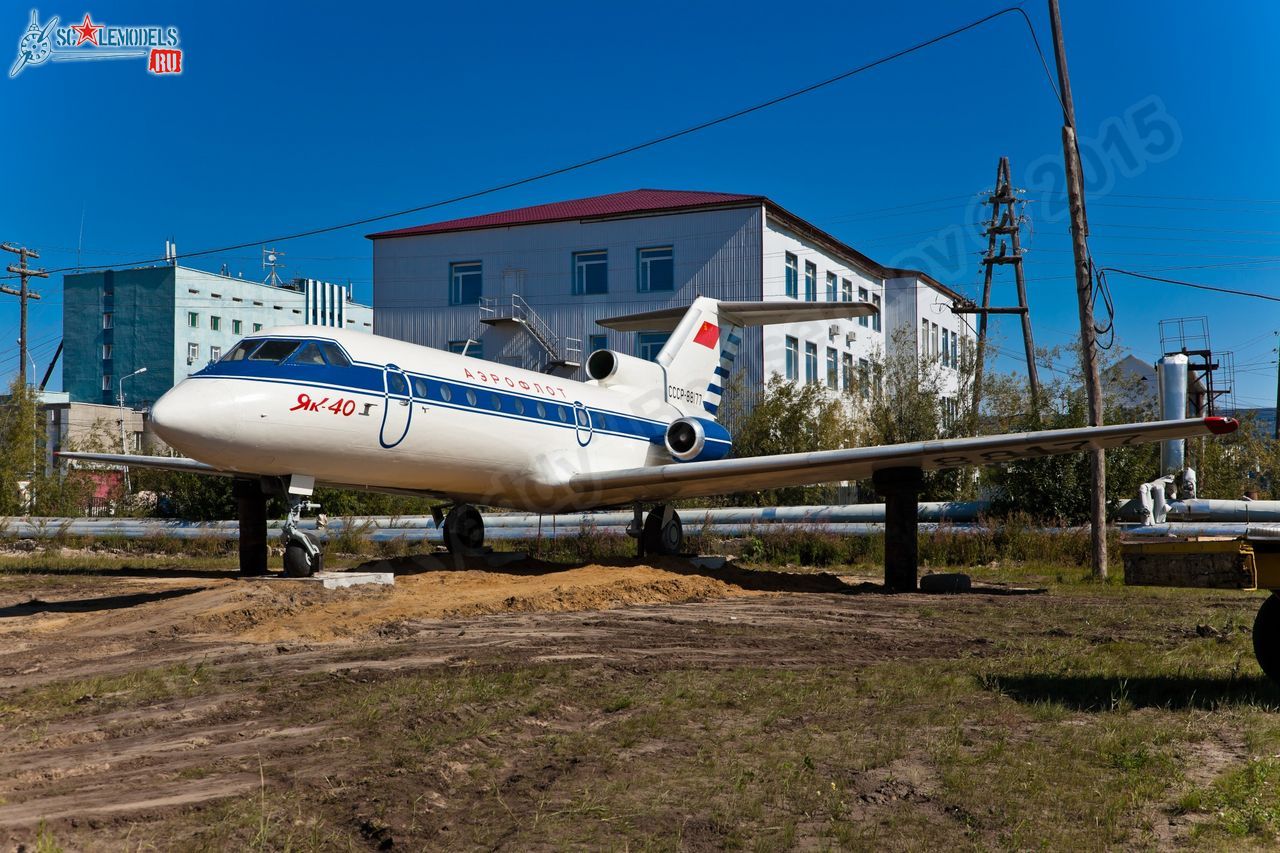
(1084, 295)
(1276, 433)
(23, 294)
(1005, 220)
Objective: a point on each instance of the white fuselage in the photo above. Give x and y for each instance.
(403, 416)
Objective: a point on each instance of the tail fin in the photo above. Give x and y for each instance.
(705, 337)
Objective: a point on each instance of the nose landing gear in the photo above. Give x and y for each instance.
(302, 556)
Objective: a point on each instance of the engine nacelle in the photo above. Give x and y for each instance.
(613, 369)
(697, 440)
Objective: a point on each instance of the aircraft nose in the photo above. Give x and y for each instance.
(188, 420)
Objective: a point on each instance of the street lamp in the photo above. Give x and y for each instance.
(120, 402)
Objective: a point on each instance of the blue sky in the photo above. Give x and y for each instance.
(303, 115)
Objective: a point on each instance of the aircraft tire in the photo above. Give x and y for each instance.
(296, 562)
(1266, 637)
(463, 529)
(664, 540)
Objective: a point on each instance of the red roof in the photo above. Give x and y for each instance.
(614, 204)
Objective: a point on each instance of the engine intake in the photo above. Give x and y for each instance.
(613, 369)
(697, 440)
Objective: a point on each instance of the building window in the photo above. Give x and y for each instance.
(862, 297)
(475, 350)
(590, 272)
(810, 282)
(864, 378)
(237, 326)
(257, 327)
(924, 338)
(106, 382)
(933, 342)
(831, 287)
(656, 269)
(193, 320)
(793, 359)
(848, 371)
(833, 369)
(193, 353)
(595, 342)
(793, 276)
(215, 323)
(106, 352)
(649, 344)
(955, 349)
(465, 279)
(846, 290)
(946, 348)
(811, 362)
(875, 318)
(106, 320)
(215, 353)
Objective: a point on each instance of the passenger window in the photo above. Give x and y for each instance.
(471, 398)
(582, 418)
(496, 402)
(560, 413)
(334, 354)
(541, 409)
(309, 354)
(397, 384)
(445, 393)
(519, 405)
(241, 351)
(420, 388)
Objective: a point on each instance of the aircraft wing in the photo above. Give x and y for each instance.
(168, 463)
(700, 479)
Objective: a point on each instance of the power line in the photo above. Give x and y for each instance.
(631, 149)
(1197, 285)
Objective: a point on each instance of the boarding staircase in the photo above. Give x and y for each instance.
(564, 355)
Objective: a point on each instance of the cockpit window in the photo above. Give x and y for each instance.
(274, 351)
(334, 354)
(309, 354)
(241, 351)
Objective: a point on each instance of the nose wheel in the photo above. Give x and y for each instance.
(464, 530)
(1266, 637)
(663, 534)
(302, 556)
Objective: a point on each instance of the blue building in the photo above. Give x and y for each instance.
(173, 320)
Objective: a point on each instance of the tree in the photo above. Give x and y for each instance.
(786, 417)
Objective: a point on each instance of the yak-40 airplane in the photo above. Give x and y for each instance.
(292, 408)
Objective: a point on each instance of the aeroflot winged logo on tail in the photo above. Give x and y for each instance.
(708, 335)
(92, 41)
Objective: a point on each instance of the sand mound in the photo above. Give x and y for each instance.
(426, 587)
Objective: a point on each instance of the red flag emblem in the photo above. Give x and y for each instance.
(708, 335)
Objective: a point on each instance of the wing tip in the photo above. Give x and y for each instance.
(1221, 426)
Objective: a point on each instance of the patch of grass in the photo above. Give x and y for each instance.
(1243, 803)
(61, 699)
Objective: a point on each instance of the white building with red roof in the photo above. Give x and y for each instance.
(526, 286)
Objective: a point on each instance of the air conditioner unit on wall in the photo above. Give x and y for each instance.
(833, 331)
(850, 337)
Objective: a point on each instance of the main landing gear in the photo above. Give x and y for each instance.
(660, 533)
(464, 530)
(1266, 636)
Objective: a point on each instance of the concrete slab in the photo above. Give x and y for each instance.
(336, 580)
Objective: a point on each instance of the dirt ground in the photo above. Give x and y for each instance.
(531, 705)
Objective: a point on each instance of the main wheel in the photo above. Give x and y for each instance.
(1266, 637)
(663, 533)
(464, 529)
(297, 563)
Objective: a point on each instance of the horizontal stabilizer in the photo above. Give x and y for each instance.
(743, 314)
